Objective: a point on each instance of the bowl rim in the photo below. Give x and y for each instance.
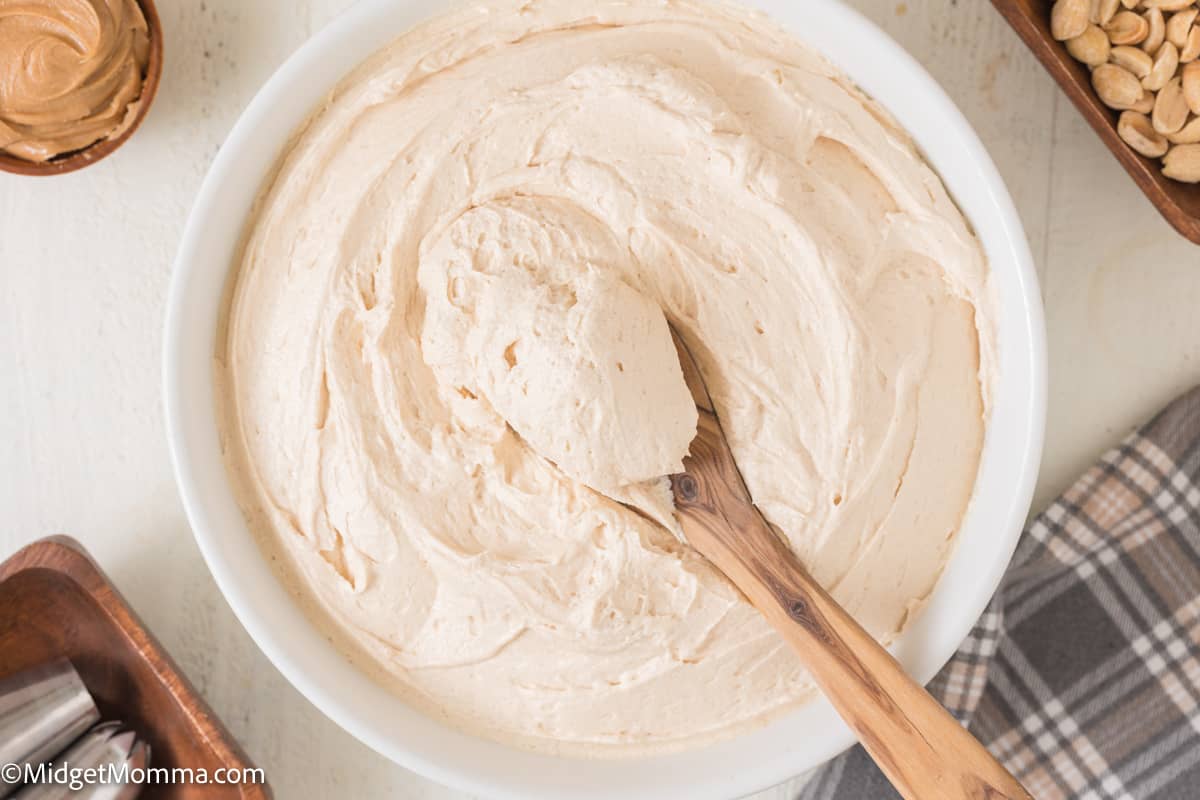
(86, 156)
(750, 762)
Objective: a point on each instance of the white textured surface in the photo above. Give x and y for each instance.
(85, 261)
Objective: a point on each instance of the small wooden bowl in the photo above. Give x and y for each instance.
(1178, 202)
(78, 159)
(56, 603)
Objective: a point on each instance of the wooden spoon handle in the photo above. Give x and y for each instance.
(921, 748)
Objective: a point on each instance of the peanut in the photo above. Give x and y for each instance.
(1139, 134)
(1166, 63)
(1103, 10)
(1125, 27)
(1182, 163)
(1157, 32)
(1178, 26)
(1191, 48)
(1188, 134)
(1069, 18)
(1116, 86)
(1170, 109)
(1091, 47)
(1190, 78)
(1132, 59)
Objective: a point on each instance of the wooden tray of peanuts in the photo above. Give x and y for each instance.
(1132, 67)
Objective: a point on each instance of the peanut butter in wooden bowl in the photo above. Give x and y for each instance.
(76, 79)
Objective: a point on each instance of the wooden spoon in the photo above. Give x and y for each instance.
(923, 750)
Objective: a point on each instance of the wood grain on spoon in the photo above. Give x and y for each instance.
(921, 748)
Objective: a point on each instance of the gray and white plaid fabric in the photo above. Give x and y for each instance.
(1083, 676)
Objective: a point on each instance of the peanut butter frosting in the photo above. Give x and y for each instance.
(71, 73)
(448, 329)
(555, 343)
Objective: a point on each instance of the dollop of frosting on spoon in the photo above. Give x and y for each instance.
(579, 363)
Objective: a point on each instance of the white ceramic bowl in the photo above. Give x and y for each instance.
(731, 769)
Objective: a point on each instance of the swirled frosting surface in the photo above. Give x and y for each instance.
(71, 73)
(457, 283)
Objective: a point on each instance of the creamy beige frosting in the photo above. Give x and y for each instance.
(71, 73)
(579, 363)
(459, 248)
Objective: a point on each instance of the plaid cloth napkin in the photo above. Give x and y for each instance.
(1083, 676)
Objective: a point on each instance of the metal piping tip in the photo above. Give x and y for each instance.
(42, 710)
(108, 747)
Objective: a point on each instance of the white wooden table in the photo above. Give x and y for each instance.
(85, 260)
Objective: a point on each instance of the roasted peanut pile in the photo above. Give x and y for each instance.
(1143, 56)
